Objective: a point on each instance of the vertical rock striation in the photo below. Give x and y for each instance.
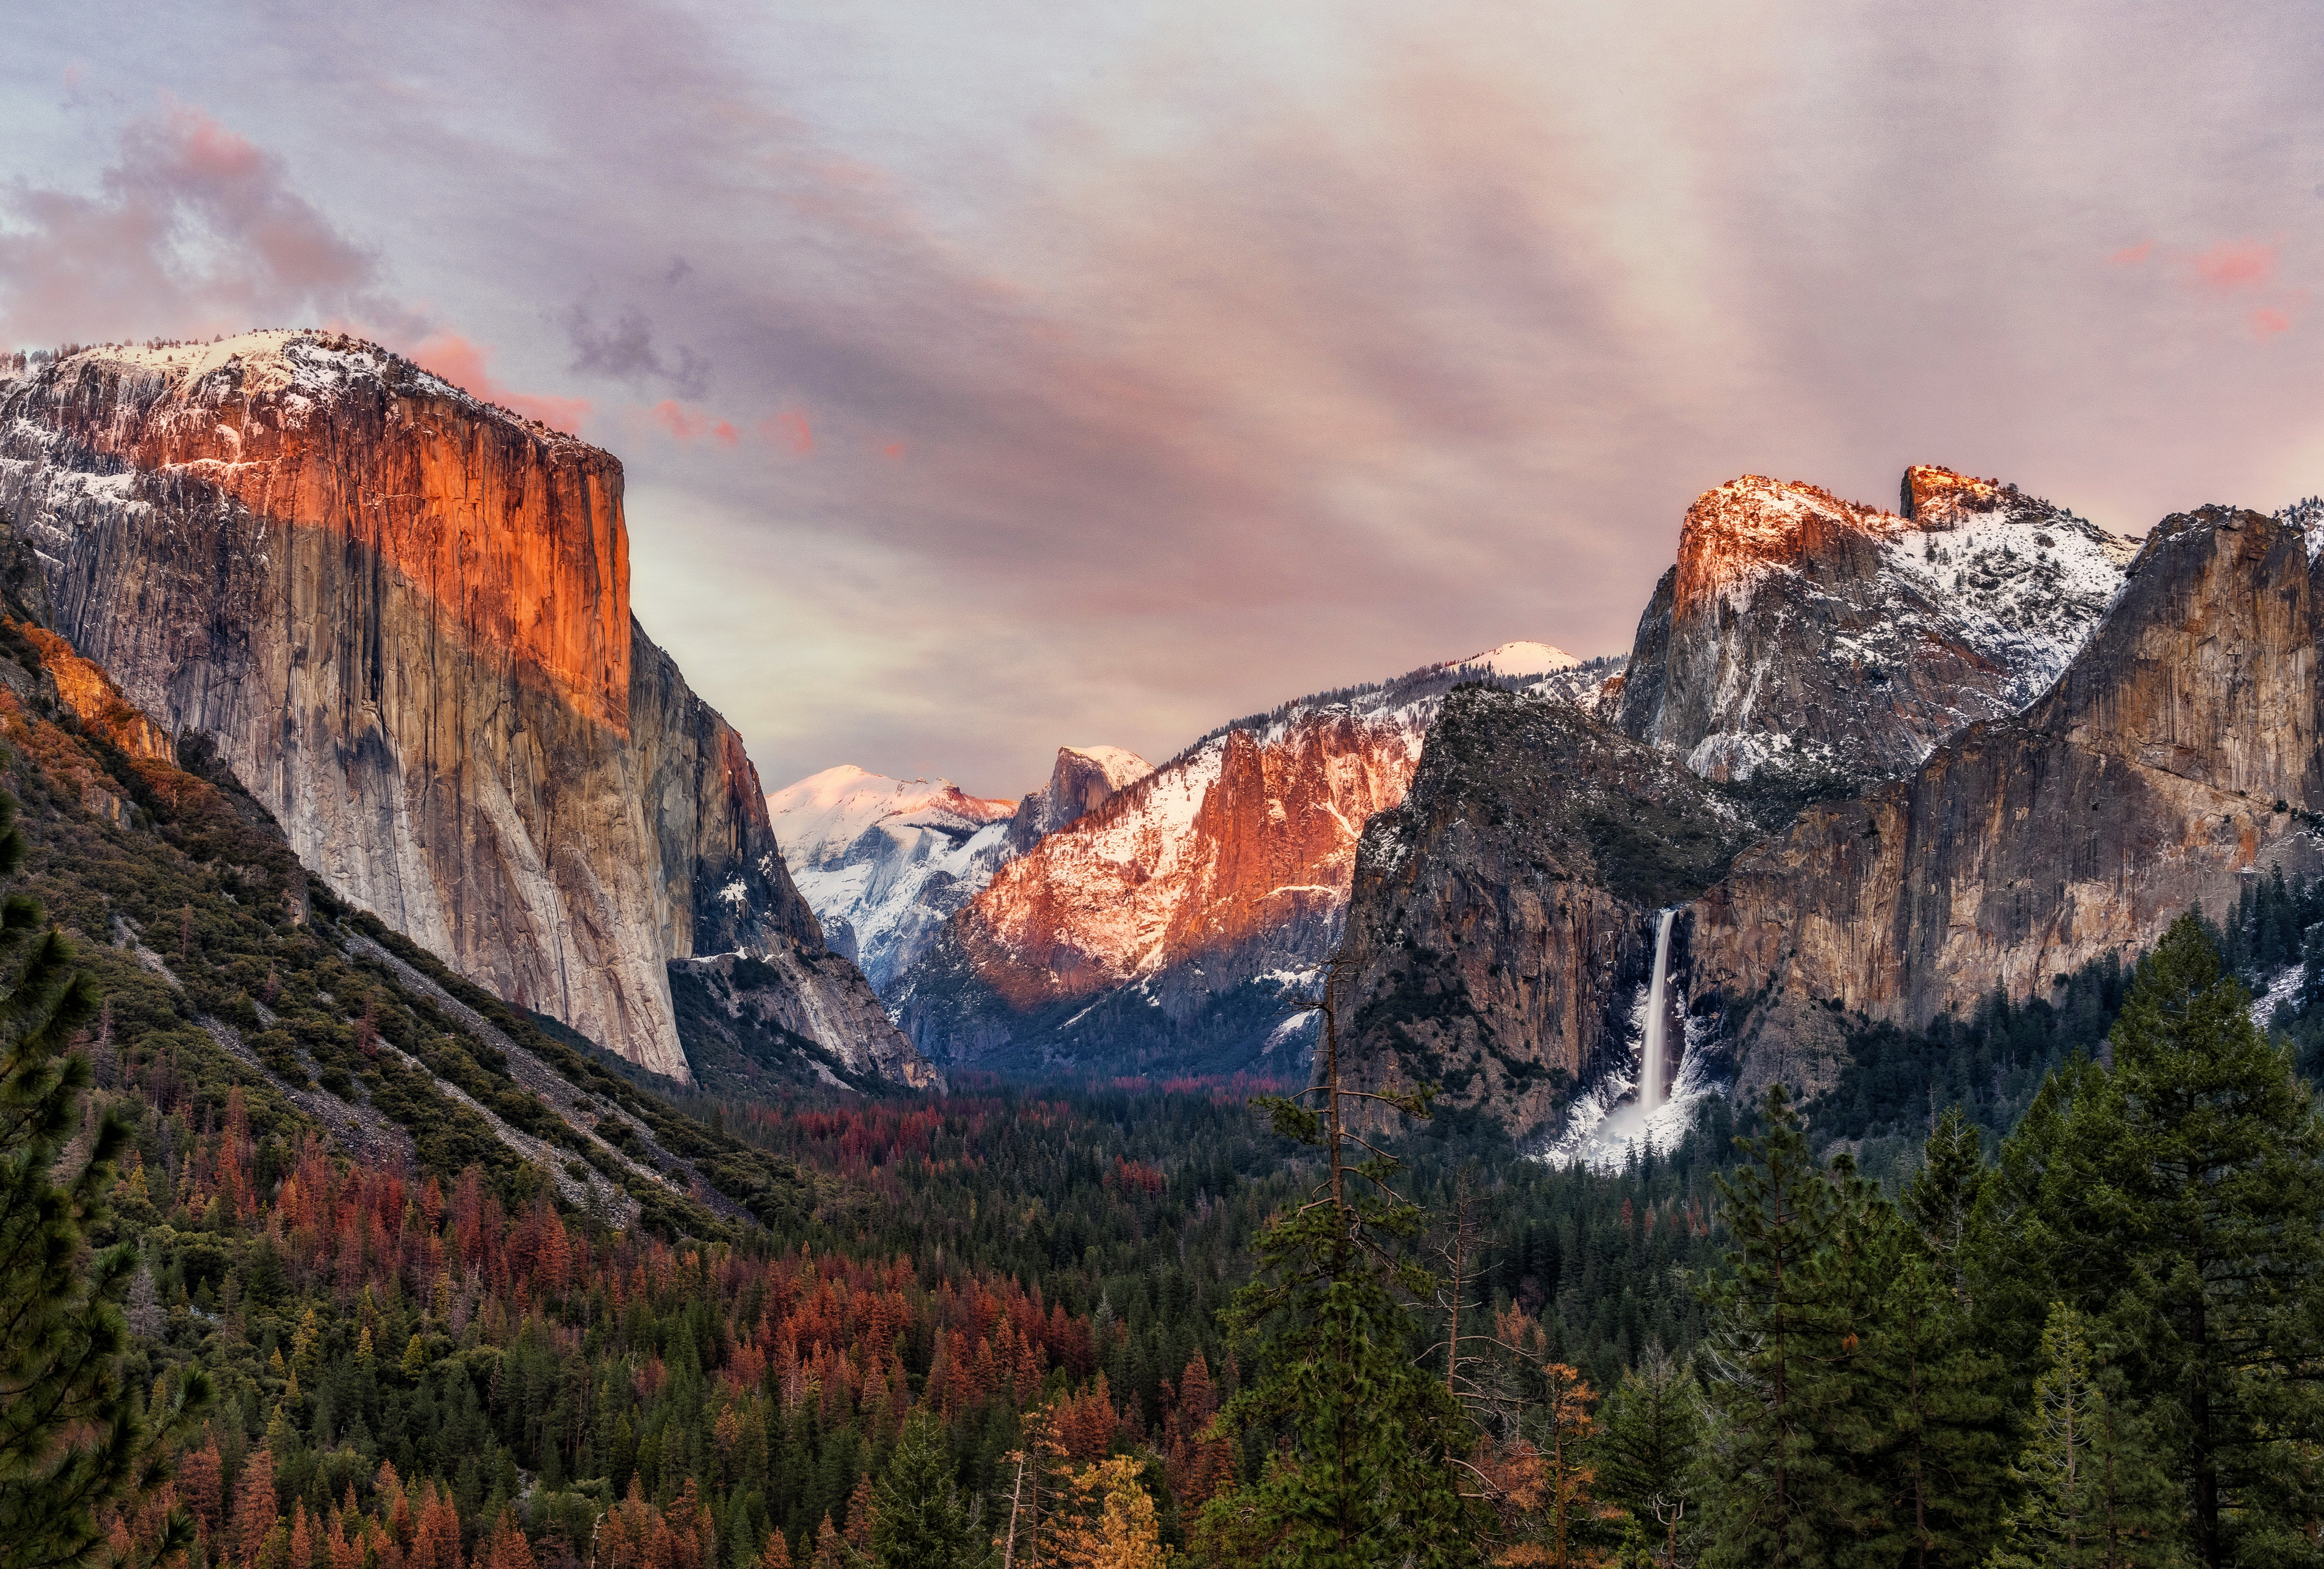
(402, 616)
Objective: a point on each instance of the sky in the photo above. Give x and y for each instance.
(990, 377)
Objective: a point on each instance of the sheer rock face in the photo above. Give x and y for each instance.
(1798, 631)
(2146, 781)
(1505, 911)
(403, 617)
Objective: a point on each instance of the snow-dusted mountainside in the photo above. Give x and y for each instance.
(884, 861)
(1158, 932)
(1800, 630)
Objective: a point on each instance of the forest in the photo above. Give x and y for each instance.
(2038, 1285)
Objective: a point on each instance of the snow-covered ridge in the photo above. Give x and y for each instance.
(883, 862)
(293, 364)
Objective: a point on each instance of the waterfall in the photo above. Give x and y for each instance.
(1654, 1070)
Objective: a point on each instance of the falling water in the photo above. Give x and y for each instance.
(1654, 1072)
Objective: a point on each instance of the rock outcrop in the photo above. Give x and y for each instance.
(1806, 633)
(1503, 914)
(2179, 750)
(1081, 780)
(401, 616)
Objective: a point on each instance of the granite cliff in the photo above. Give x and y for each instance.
(2175, 752)
(1802, 633)
(401, 616)
(2179, 748)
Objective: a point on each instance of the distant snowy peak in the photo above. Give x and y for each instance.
(1081, 780)
(820, 820)
(1520, 659)
(884, 861)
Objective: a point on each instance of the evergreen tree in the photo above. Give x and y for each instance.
(2094, 1497)
(1647, 1432)
(1771, 1470)
(73, 1438)
(1365, 1442)
(1933, 1405)
(918, 1520)
(2177, 1199)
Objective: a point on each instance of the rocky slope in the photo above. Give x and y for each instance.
(2179, 748)
(1811, 635)
(884, 862)
(402, 618)
(1160, 932)
(1502, 914)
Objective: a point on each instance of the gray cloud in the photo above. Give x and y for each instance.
(626, 351)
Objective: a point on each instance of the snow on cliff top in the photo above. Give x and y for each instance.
(1120, 766)
(300, 362)
(820, 817)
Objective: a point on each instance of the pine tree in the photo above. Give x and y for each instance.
(2094, 1497)
(1769, 1464)
(1933, 1393)
(1365, 1442)
(73, 1439)
(2177, 1199)
(919, 1519)
(1647, 1432)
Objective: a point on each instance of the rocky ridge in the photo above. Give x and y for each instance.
(402, 618)
(1161, 931)
(2179, 750)
(1802, 633)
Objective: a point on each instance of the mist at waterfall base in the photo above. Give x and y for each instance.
(1640, 1104)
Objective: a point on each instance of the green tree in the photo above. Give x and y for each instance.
(1367, 1445)
(1931, 1403)
(1647, 1432)
(1772, 1469)
(2094, 1497)
(2177, 1199)
(74, 1437)
(919, 1519)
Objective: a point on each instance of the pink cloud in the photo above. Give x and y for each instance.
(2233, 265)
(462, 363)
(2132, 255)
(788, 430)
(194, 230)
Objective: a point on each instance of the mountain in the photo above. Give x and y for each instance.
(1502, 913)
(1806, 633)
(2178, 752)
(1803, 647)
(1160, 932)
(1081, 780)
(401, 617)
(883, 861)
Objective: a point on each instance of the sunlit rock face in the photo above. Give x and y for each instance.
(1804, 634)
(402, 614)
(1167, 929)
(2179, 748)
